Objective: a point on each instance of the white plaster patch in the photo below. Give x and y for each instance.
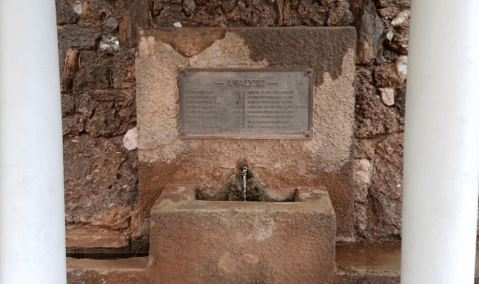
(130, 141)
(333, 118)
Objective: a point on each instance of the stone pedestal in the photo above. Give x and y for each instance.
(194, 241)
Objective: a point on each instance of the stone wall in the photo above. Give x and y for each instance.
(97, 40)
(98, 108)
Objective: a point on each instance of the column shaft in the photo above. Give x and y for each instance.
(32, 230)
(441, 158)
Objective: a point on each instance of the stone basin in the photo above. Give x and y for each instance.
(195, 241)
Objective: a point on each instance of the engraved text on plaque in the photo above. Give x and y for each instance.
(245, 103)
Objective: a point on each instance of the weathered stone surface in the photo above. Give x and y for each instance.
(70, 67)
(73, 125)
(125, 30)
(189, 6)
(98, 71)
(311, 14)
(100, 183)
(389, 12)
(81, 236)
(372, 116)
(85, 105)
(357, 263)
(111, 23)
(383, 3)
(109, 43)
(363, 172)
(81, 8)
(364, 148)
(370, 29)
(94, 72)
(386, 76)
(387, 95)
(260, 242)
(372, 263)
(120, 271)
(401, 65)
(385, 191)
(68, 104)
(253, 13)
(346, 277)
(84, 71)
(104, 122)
(402, 3)
(72, 36)
(324, 160)
(65, 12)
(130, 140)
(340, 15)
(111, 118)
(401, 19)
(400, 42)
(400, 103)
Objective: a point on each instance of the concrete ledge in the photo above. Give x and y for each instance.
(120, 271)
(358, 263)
(372, 263)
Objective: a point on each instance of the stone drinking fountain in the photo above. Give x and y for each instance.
(266, 110)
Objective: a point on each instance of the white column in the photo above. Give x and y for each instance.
(441, 150)
(32, 230)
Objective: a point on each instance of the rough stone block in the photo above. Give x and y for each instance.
(193, 241)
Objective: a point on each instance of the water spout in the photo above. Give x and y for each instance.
(245, 173)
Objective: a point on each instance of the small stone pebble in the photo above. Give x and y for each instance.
(401, 65)
(401, 18)
(387, 95)
(111, 23)
(79, 7)
(130, 141)
(109, 43)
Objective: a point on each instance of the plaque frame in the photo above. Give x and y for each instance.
(303, 135)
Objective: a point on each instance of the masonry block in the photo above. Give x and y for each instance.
(194, 241)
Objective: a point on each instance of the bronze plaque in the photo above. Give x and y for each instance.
(245, 103)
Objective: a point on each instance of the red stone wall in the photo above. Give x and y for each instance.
(97, 41)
